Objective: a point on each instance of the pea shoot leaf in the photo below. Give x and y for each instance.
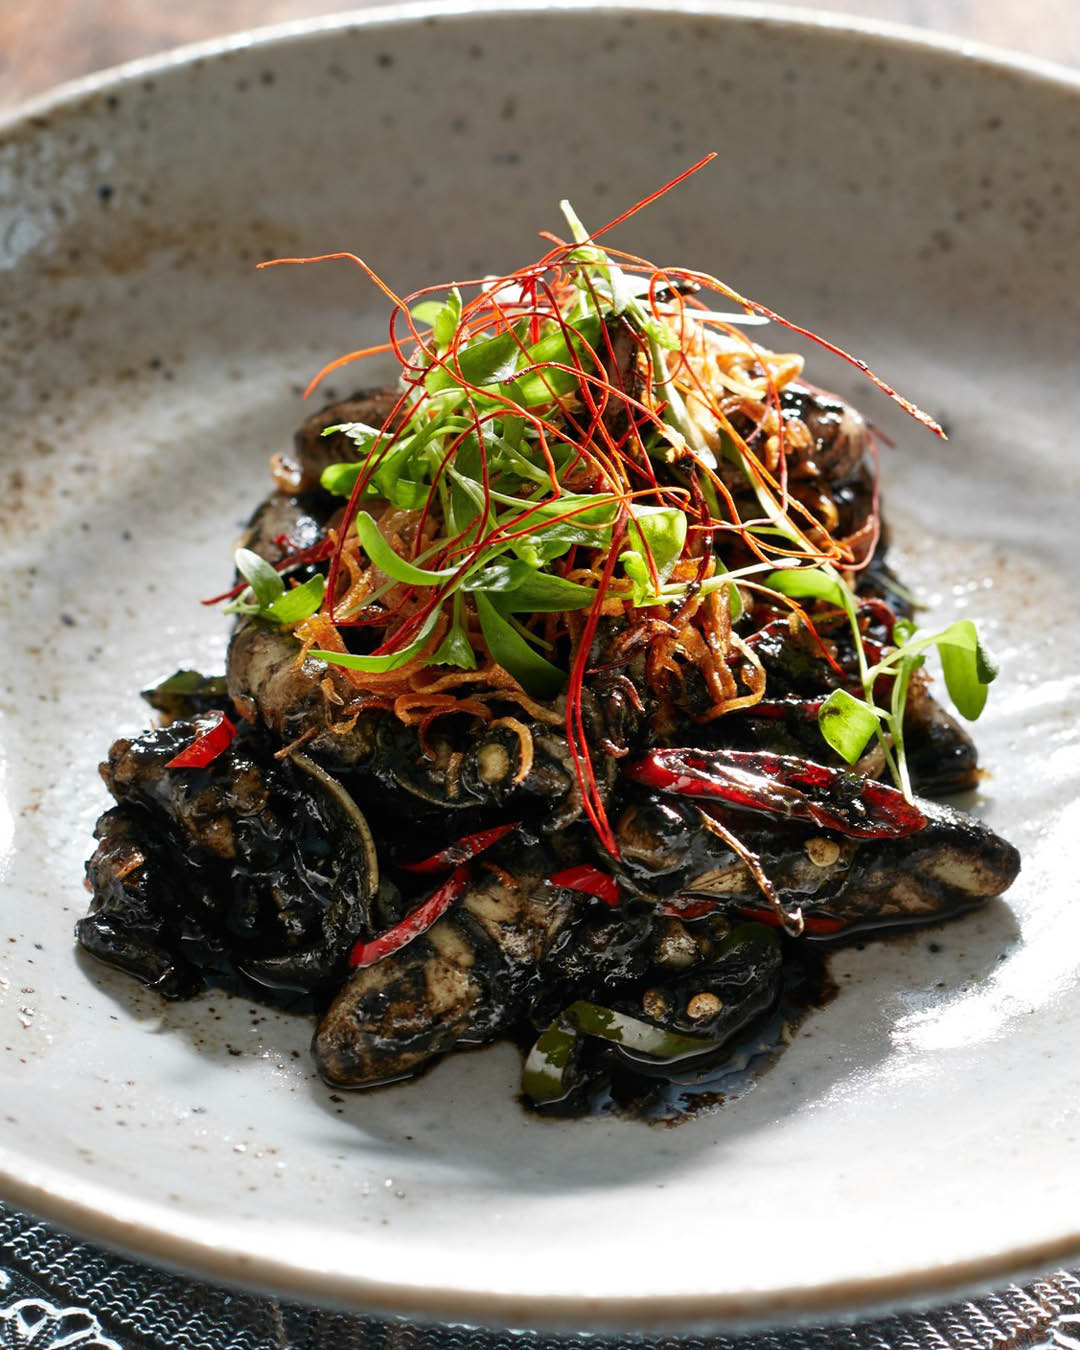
(340, 478)
(523, 590)
(427, 312)
(540, 385)
(361, 435)
(847, 723)
(486, 361)
(377, 665)
(298, 604)
(393, 564)
(264, 581)
(536, 675)
(810, 583)
(446, 321)
(663, 530)
(455, 650)
(967, 667)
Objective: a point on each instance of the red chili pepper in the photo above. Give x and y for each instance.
(414, 923)
(461, 851)
(881, 611)
(816, 925)
(591, 880)
(207, 745)
(688, 907)
(782, 785)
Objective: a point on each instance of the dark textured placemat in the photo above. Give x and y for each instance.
(56, 1292)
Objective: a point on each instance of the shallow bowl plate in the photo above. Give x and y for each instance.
(916, 202)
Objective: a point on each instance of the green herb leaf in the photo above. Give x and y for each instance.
(967, 668)
(340, 478)
(541, 385)
(298, 604)
(589, 520)
(986, 667)
(810, 583)
(513, 428)
(488, 361)
(455, 650)
(847, 724)
(377, 665)
(539, 549)
(637, 569)
(426, 312)
(446, 321)
(623, 292)
(523, 590)
(903, 631)
(265, 583)
(663, 529)
(391, 563)
(361, 435)
(660, 332)
(536, 675)
(407, 495)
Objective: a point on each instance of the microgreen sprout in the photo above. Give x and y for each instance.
(561, 452)
(266, 596)
(849, 723)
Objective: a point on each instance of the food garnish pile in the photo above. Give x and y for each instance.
(569, 697)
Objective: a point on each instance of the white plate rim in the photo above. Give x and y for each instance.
(143, 1231)
(390, 15)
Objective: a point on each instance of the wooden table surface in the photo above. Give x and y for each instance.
(42, 44)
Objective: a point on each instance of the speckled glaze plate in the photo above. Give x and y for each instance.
(918, 202)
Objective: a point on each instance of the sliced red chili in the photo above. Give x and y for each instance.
(782, 785)
(688, 907)
(462, 851)
(216, 733)
(591, 880)
(415, 923)
(814, 925)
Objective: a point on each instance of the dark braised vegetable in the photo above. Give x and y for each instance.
(671, 851)
(461, 982)
(264, 866)
(569, 694)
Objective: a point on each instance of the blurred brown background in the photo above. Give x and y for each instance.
(43, 42)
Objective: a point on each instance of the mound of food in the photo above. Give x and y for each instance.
(569, 695)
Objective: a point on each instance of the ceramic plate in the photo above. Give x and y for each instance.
(915, 201)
